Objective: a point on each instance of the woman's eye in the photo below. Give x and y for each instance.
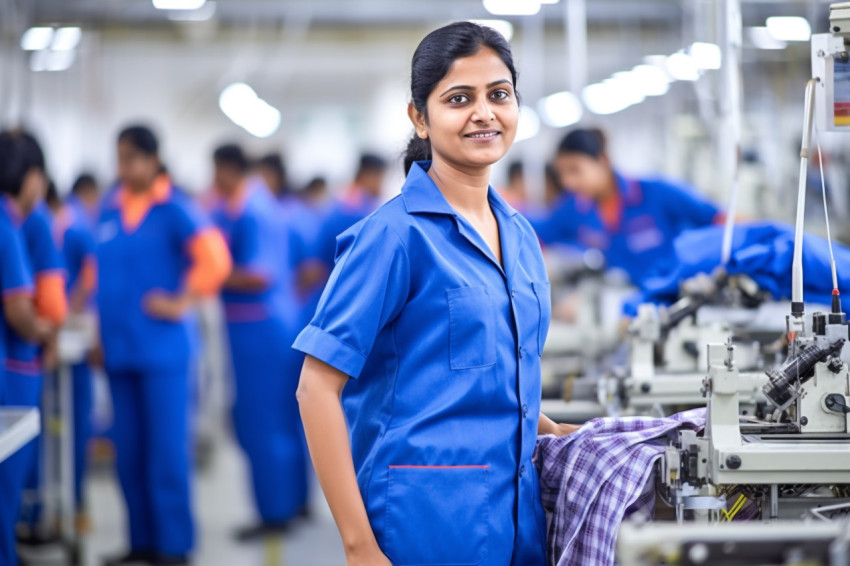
(500, 95)
(458, 99)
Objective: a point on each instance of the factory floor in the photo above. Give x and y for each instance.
(222, 504)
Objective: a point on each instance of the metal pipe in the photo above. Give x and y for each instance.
(774, 502)
(797, 263)
(730, 102)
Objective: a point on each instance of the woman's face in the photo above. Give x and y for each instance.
(33, 190)
(136, 169)
(582, 174)
(472, 112)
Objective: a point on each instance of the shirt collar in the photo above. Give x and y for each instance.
(159, 192)
(421, 194)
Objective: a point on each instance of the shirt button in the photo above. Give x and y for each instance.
(513, 294)
(524, 410)
(521, 352)
(522, 470)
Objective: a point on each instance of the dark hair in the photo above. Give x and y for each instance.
(590, 142)
(371, 162)
(432, 60)
(85, 180)
(515, 169)
(142, 138)
(316, 185)
(231, 155)
(19, 154)
(274, 162)
(52, 195)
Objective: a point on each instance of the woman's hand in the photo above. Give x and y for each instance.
(372, 556)
(166, 306)
(564, 429)
(548, 426)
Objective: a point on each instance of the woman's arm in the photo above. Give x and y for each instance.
(548, 426)
(318, 396)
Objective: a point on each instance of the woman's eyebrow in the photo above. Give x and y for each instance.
(467, 87)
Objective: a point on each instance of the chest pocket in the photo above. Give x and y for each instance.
(543, 292)
(471, 328)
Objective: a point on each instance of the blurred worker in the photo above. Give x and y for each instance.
(430, 330)
(75, 239)
(31, 315)
(261, 315)
(85, 200)
(273, 172)
(357, 201)
(632, 221)
(156, 256)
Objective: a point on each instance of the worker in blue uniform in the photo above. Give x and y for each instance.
(631, 221)
(156, 256)
(22, 186)
(261, 314)
(430, 329)
(75, 240)
(26, 360)
(84, 201)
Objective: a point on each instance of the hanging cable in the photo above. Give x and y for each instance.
(836, 296)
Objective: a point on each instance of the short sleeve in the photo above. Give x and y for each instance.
(366, 291)
(14, 275)
(43, 252)
(188, 219)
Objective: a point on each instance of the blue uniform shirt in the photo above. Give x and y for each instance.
(257, 237)
(654, 212)
(43, 257)
(443, 348)
(15, 274)
(134, 261)
(76, 242)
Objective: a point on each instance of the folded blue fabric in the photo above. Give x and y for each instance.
(761, 250)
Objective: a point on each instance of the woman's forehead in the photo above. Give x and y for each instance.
(481, 69)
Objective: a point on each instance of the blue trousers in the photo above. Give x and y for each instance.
(82, 424)
(152, 449)
(266, 418)
(19, 390)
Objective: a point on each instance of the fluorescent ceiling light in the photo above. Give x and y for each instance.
(528, 125)
(682, 67)
(705, 55)
(49, 60)
(178, 4)
(66, 39)
(560, 109)
(649, 79)
(512, 7)
(604, 98)
(241, 104)
(504, 27)
(627, 87)
(549, 1)
(789, 28)
(37, 38)
(202, 14)
(761, 39)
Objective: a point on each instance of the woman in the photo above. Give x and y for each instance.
(156, 257)
(23, 321)
(433, 321)
(631, 221)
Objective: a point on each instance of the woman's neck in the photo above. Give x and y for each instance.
(465, 190)
(610, 190)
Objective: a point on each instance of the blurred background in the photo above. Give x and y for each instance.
(679, 89)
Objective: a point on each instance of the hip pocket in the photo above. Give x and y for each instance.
(437, 515)
(471, 332)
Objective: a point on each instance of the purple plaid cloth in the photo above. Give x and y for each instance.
(596, 476)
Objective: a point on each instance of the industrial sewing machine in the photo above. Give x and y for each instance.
(792, 458)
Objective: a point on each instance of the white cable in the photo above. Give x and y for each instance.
(826, 211)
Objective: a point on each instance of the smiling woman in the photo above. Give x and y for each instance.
(433, 323)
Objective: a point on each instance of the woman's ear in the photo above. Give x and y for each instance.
(418, 120)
